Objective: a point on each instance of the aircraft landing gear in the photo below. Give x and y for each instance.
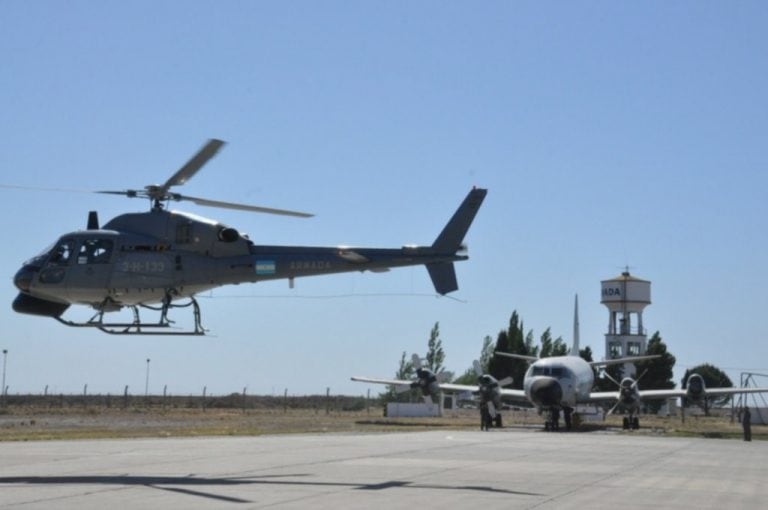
(567, 415)
(631, 423)
(486, 422)
(137, 327)
(552, 422)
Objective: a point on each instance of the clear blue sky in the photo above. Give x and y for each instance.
(607, 133)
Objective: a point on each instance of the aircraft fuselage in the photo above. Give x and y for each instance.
(558, 382)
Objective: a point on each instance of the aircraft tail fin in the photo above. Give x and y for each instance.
(575, 348)
(449, 240)
(443, 276)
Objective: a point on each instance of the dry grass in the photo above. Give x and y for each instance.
(24, 424)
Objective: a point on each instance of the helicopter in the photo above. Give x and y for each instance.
(161, 259)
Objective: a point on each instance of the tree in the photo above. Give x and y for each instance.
(656, 373)
(435, 353)
(405, 371)
(586, 355)
(512, 340)
(551, 347)
(486, 353)
(559, 348)
(713, 378)
(469, 377)
(546, 344)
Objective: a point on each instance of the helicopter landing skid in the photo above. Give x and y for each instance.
(143, 328)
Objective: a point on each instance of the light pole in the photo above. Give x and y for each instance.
(146, 384)
(5, 358)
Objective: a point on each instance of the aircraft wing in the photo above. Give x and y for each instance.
(514, 394)
(458, 388)
(391, 382)
(708, 392)
(603, 396)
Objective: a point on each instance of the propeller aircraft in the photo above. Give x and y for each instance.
(161, 259)
(557, 384)
(488, 389)
(630, 397)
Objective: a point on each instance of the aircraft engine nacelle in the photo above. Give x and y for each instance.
(695, 388)
(427, 382)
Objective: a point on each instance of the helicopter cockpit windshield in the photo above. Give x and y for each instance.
(39, 259)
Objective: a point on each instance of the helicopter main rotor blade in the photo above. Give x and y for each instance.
(240, 207)
(38, 188)
(131, 193)
(186, 172)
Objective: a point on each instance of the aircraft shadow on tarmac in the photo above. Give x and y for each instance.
(180, 483)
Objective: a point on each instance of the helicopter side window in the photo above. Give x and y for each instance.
(62, 253)
(95, 251)
(184, 233)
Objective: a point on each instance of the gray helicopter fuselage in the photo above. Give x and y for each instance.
(161, 256)
(139, 258)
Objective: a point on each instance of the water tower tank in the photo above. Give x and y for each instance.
(626, 293)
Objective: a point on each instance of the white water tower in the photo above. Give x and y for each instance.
(626, 297)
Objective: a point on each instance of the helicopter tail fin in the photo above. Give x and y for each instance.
(449, 240)
(443, 274)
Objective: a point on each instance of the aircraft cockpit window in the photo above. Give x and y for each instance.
(63, 252)
(557, 372)
(95, 251)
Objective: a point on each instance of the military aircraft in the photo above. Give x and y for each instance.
(630, 397)
(488, 389)
(156, 259)
(557, 384)
(426, 381)
(628, 400)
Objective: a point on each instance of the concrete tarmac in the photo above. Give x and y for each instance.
(507, 468)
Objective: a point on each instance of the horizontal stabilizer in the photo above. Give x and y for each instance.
(443, 277)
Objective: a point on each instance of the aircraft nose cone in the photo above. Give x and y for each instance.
(546, 392)
(23, 279)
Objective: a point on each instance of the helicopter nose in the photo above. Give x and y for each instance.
(23, 279)
(546, 392)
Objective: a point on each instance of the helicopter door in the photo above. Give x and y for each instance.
(90, 271)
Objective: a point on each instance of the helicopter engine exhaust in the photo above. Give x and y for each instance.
(228, 235)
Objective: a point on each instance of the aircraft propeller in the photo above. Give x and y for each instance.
(485, 384)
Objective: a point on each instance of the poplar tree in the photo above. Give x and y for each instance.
(435, 353)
